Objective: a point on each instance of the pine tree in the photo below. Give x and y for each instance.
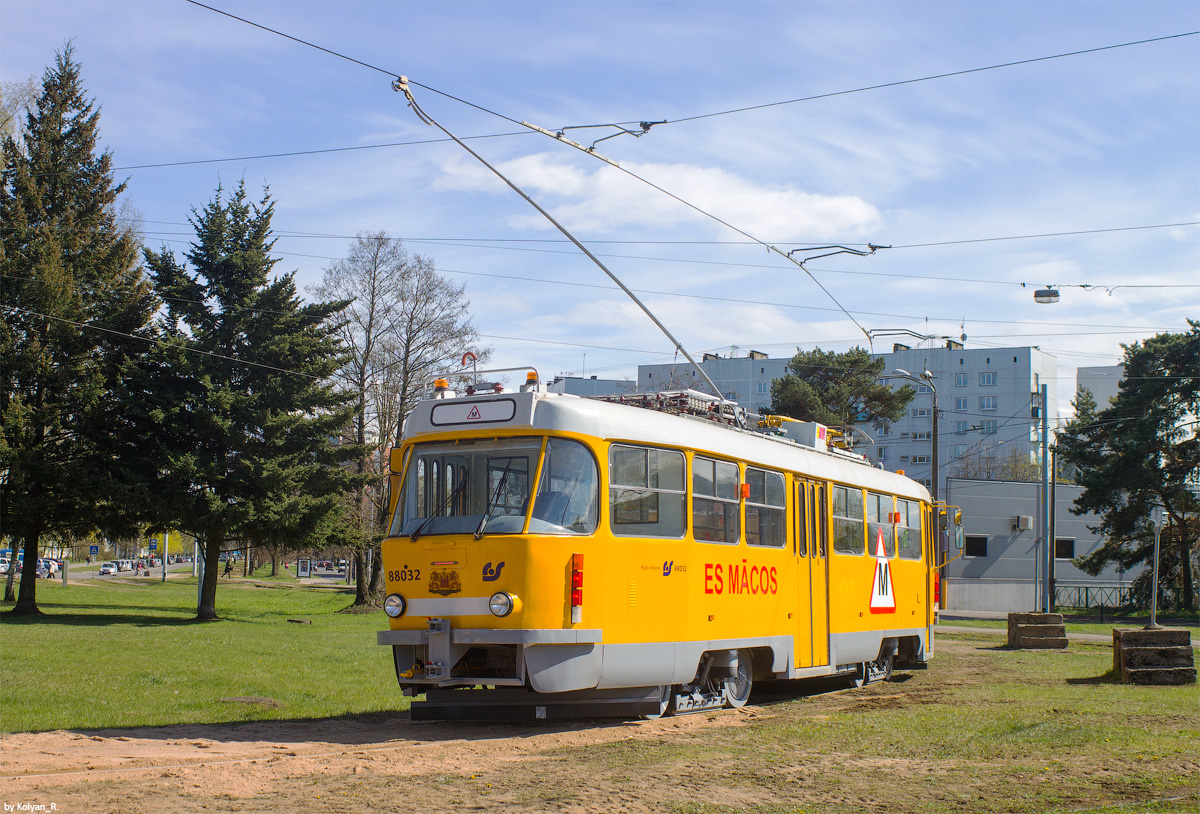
(839, 390)
(74, 301)
(1140, 452)
(248, 420)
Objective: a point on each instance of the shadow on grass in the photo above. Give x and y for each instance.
(1111, 677)
(360, 729)
(49, 617)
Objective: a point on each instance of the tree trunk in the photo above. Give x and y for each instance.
(274, 562)
(376, 572)
(361, 596)
(27, 596)
(9, 592)
(206, 610)
(1185, 562)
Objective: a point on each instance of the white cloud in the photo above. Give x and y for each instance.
(605, 200)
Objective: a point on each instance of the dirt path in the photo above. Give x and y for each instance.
(335, 765)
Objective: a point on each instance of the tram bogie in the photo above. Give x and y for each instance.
(552, 555)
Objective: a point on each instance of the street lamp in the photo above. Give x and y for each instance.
(927, 378)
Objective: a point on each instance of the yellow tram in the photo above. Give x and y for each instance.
(552, 555)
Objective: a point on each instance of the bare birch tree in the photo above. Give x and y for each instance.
(405, 322)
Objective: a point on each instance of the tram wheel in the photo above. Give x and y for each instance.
(737, 690)
(666, 703)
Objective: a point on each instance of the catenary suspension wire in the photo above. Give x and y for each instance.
(935, 76)
(401, 86)
(158, 341)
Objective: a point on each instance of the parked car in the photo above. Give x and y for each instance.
(3, 565)
(108, 569)
(124, 565)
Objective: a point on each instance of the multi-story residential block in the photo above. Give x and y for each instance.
(984, 401)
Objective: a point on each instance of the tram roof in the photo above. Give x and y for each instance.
(560, 412)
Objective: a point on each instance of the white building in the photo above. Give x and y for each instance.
(1102, 381)
(985, 398)
(1002, 564)
(985, 402)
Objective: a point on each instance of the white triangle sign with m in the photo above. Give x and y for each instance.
(883, 594)
(474, 415)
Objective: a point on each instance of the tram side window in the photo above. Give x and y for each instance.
(909, 529)
(647, 491)
(766, 510)
(879, 522)
(715, 500)
(847, 520)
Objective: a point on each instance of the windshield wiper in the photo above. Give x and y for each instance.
(453, 494)
(488, 508)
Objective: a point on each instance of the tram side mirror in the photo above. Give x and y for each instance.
(959, 538)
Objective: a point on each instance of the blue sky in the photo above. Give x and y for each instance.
(1094, 144)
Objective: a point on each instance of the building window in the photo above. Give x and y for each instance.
(975, 546)
(763, 388)
(987, 402)
(960, 379)
(988, 426)
(715, 487)
(920, 459)
(987, 379)
(924, 388)
(960, 404)
(922, 412)
(922, 436)
(961, 427)
(883, 453)
(884, 431)
(960, 450)
(1064, 549)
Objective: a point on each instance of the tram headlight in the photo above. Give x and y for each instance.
(394, 606)
(502, 604)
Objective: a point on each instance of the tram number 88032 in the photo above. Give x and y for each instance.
(405, 574)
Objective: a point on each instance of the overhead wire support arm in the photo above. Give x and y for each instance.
(400, 85)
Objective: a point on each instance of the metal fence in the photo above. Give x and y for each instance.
(1091, 596)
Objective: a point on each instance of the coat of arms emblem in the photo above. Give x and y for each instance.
(444, 583)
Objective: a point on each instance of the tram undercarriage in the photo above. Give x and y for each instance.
(493, 685)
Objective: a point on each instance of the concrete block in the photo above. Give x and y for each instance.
(1042, 642)
(1160, 676)
(1042, 630)
(1035, 619)
(1163, 637)
(1158, 657)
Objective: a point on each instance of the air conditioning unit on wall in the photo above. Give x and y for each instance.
(1022, 522)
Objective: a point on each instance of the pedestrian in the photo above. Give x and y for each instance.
(228, 567)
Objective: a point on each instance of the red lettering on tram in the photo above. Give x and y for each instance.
(755, 579)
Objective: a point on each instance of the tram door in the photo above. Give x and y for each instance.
(812, 638)
(818, 557)
(803, 543)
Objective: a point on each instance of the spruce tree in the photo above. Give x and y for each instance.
(839, 390)
(76, 307)
(1139, 452)
(248, 421)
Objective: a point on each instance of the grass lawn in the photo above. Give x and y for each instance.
(124, 653)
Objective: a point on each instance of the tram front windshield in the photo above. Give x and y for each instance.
(483, 487)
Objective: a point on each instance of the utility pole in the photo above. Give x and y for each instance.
(1047, 543)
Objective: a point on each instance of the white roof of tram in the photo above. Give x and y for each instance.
(556, 412)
